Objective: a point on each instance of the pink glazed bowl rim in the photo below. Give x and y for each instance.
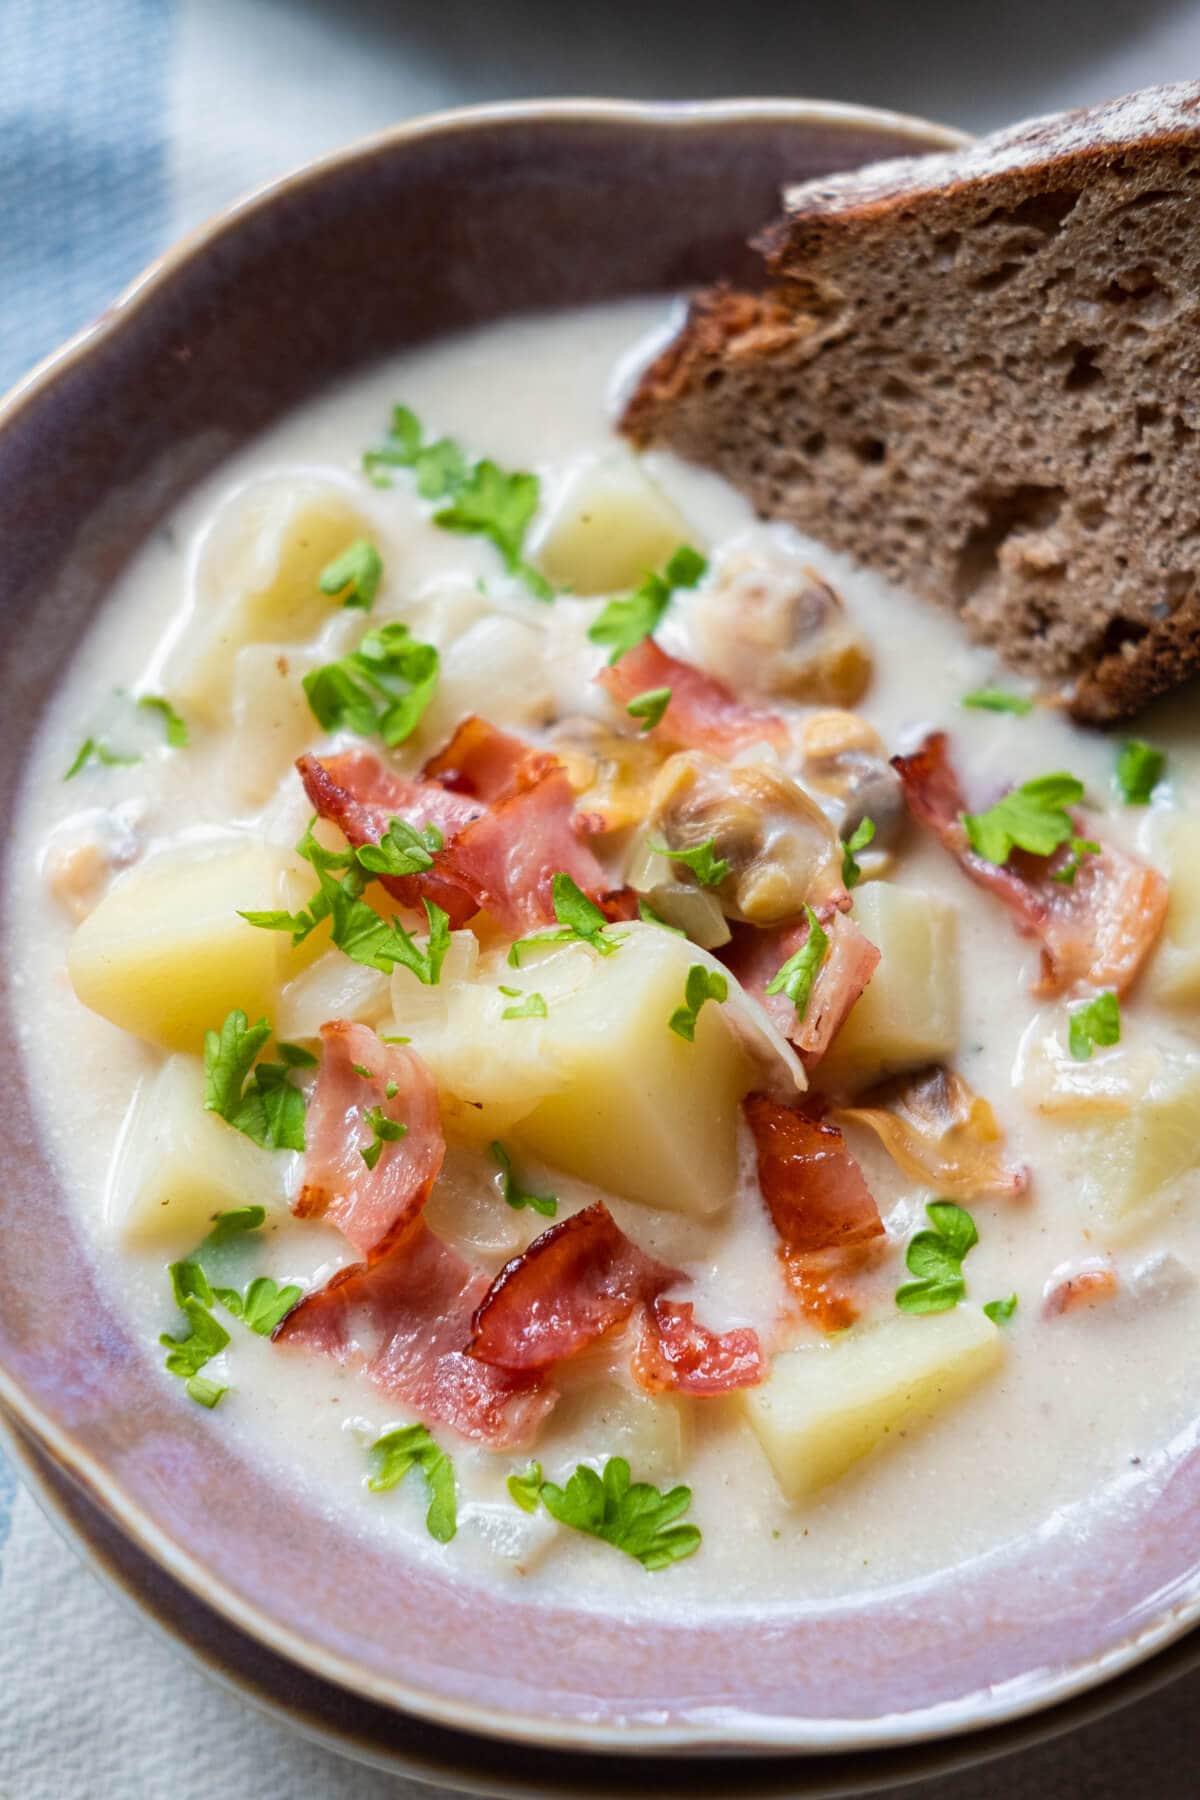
(1032, 1625)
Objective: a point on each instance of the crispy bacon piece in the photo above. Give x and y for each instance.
(371, 1207)
(361, 797)
(677, 1354)
(511, 854)
(485, 763)
(1087, 1284)
(756, 956)
(702, 713)
(505, 810)
(828, 1223)
(1099, 928)
(575, 1282)
(407, 1319)
(942, 1133)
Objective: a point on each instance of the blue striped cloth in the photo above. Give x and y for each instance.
(83, 187)
(83, 162)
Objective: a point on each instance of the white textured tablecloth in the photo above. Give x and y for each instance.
(123, 122)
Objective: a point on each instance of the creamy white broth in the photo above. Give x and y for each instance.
(1080, 1402)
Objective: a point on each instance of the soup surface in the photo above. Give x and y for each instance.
(837, 1149)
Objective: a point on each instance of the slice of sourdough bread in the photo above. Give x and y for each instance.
(979, 373)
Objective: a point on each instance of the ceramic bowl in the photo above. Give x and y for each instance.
(443, 224)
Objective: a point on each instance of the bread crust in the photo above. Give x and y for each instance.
(979, 372)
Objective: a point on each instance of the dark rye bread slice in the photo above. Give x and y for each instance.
(979, 373)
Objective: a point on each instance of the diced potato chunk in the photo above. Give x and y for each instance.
(502, 659)
(610, 526)
(180, 1164)
(827, 1404)
(257, 581)
(601, 1088)
(1127, 1168)
(908, 1014)
(1175, 972)
(166, 956)
(648, 1430)
(271, 717)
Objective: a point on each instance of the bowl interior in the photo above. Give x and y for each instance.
(430, 229)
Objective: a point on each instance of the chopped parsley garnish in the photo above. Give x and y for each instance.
(530, 1005)
(484, 499)
(1139, 770)
(187, 1354)
(380, 689)
(96, 750)
(632, 1516)
(383, 1130)
(702, 984)
(649, 707)
(796, 976)
(362, 1071)
(355, 927)
(580, 920)
(1098, 1021)
(936, 1257)
(353, 576)
(648, 915)
(517, 1196)
(257, 1100)
(175, 727)
(709, 870)
(411, 1447)
(1031, 817)
(997, 700)
(626, 621)
(402, 850)
(263, 1305)
(1001, 1311)
(858, 840)
(261, 1308)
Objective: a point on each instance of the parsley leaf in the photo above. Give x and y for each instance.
(526, 1489)
(579, 919)
(632, 1516)
(483, 498)
(1139, 770)
(206, 1337)
(1001, 1311)
(355, 574)
(709, 870)
(439, 467)
(383, 1130)
(234, 1222)
(263, 1305)
(411, 1446)
(259, 1101)
(649, 707)
(935, 1258)
(381, 688)
(859, 839)
(997, 700)
(203, 1391)
(626, 621)
(702, 984)
(96, 750)
(498, 506)
(175, 727)
(514, 1194)
(796, 976)
(531, 1006)
(1031, 817)
(1098, 1021)
(355, 927)
(402, 850)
